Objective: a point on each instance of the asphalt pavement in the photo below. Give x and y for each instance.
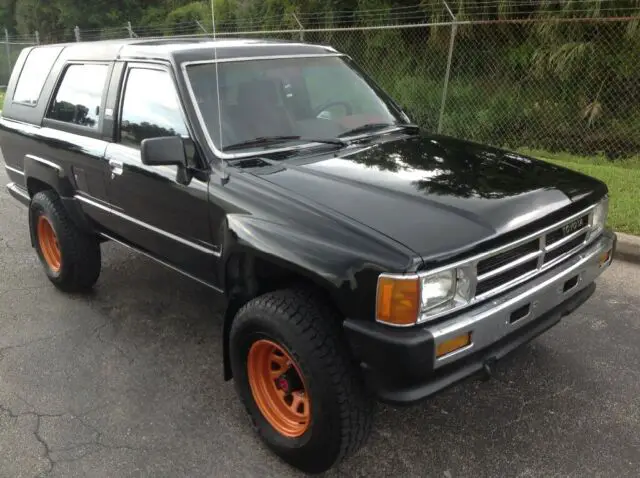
(128, 382)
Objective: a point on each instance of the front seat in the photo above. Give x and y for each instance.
(260, 110)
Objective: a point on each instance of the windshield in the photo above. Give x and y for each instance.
(321, 97)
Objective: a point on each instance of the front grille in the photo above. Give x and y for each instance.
(506, 277)
(554, 236)
(499, 260)
(510, 266)
(564, 248)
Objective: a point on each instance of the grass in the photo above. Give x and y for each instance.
(622, 178)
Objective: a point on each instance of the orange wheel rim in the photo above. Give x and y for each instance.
(278, 388)
(48, 242)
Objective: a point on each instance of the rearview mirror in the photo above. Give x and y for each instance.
(164, 150)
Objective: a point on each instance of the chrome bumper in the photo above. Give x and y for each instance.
(494, 320)
(19, 193)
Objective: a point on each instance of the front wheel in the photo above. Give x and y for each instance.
(295, 377)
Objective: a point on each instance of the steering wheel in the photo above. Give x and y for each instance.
(320, 109)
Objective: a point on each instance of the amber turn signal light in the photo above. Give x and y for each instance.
(453, 344)
(398, 300)
(604, 258)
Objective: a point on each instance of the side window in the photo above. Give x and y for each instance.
(34, 73)
(79, 95)
(150, 107)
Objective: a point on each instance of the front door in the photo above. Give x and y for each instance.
(159, 214)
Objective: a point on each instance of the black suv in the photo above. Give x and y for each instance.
(359, 256)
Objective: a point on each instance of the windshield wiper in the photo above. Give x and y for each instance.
(365, 128)
(269, 140)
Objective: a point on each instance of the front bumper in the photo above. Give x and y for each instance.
(400, 365)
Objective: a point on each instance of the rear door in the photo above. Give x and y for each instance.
(72, 126)
(71, 134)
(159, 214)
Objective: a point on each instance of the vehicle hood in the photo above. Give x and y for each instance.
(436, 195)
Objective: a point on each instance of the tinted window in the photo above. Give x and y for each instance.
(34, 73)
(150, 107)
(79, 96)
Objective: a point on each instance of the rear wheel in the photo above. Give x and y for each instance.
(71, 258)
(295, 376)
(48, 244)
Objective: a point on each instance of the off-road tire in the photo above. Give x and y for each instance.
(310, 333)
(80, 258)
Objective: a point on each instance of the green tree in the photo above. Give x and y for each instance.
(8, 14)
(45, 17)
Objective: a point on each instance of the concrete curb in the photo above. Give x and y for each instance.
(628, 248)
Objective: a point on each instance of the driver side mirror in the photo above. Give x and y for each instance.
(163, 151)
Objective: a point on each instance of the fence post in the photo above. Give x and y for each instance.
(201, 27)
(295, 17)
(8, 49)
(37, 37)
(452, 39)
(76, 31)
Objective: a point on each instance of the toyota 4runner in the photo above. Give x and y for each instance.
(360, 257)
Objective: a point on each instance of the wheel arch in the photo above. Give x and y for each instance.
(263, 253)
(43, 175)
(249, 274)
(40, 172)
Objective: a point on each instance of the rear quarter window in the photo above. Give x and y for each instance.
(78, 98)
(34, 73)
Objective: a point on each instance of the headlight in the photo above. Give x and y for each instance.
(437, 289)
(404, 300)
(599, 219)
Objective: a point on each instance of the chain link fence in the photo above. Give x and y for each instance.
(11, 48)
(556, 84)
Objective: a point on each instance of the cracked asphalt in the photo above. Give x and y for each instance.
(128, 381)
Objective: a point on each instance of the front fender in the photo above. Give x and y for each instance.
(342, 263)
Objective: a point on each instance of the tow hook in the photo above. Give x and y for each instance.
(487, 368)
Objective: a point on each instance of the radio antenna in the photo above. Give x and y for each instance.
(215, 57)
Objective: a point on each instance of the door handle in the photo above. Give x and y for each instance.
(116, 168)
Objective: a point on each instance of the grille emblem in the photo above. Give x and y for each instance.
(572, 227)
